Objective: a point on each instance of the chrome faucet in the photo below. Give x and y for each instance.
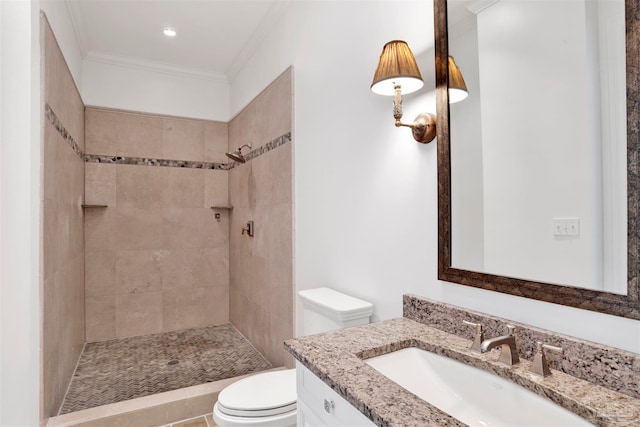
(509, 353)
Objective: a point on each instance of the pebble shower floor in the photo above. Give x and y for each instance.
(122, 369)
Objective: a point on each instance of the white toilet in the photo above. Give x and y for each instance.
(269, 399)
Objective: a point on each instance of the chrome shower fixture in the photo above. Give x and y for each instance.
(237, 154)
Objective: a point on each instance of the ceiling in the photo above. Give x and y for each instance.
(214, 37)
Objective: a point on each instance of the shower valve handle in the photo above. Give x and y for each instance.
(248, 229)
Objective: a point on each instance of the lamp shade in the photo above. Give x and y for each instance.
(397, 66)
(457, 87)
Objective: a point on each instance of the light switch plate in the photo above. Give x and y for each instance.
(566, 226)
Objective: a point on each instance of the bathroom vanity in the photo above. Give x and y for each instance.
(598, 383)
(319, 405)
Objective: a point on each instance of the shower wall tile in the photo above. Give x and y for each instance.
(216, 188)
(98, 229)
(137, 228)
(51, 333)
(101, 317)
(138, 313)
(261, 267)
(183, 188)
(189, 268)
(168, 256)
(63, 324)
(72, 312)
(50, 241)
(242, 185)
(218, 267)
(277, 101)
(51, 170)
(51, 329)
(121, 133)
(279, 290)
(279, 331)
(139, 186)
(59, 89)
(192, 228)
(273, 178)
(100, 273)
(276, 223)
(62, 239)
(139, 271)
(216, 137)
(233, 130)
(100, 184)
(183, 139)
(199, 306)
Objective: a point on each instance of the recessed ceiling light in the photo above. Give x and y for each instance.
(170, 32)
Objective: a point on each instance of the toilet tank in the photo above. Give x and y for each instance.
(325, 309)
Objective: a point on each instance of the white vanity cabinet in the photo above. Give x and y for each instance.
(319, 406)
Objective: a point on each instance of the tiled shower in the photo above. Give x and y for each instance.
(156, 257)
(142, 223)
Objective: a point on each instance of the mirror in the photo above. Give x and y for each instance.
(468, 254)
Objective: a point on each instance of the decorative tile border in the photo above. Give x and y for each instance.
(281, 140)
(55, 121)
(146, 161)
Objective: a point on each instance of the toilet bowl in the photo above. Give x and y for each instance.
(269, 399)
(266, 400)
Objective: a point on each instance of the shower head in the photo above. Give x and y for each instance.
(237, 155)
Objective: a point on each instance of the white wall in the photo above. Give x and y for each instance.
(366, 193)
(128, 85)
(541, 142)
(20, 114)
(360, 183)
(467, 202)
(537, 167)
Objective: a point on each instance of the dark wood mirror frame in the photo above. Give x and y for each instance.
(603, 302)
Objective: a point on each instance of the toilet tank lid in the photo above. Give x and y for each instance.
(343, 306)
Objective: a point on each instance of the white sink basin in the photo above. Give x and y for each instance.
(471, 395)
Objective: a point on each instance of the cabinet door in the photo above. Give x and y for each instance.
(320, 406)
(307, 418)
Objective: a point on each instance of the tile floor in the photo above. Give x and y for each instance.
(118, 370)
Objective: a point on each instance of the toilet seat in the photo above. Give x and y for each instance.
(261, 395)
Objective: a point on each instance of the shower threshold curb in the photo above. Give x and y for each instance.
(151, 411)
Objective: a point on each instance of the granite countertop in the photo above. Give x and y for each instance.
(337, 359)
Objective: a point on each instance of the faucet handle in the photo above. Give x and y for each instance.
(511, 330)
(539, 365)
(479, 336)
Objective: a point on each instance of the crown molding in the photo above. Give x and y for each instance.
(154, 66)
(481, 5)
(264, 28)
(79, 26)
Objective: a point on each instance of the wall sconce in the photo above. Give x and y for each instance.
(457, 87)
(397, 72)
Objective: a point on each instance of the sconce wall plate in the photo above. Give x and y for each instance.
(424, 128)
